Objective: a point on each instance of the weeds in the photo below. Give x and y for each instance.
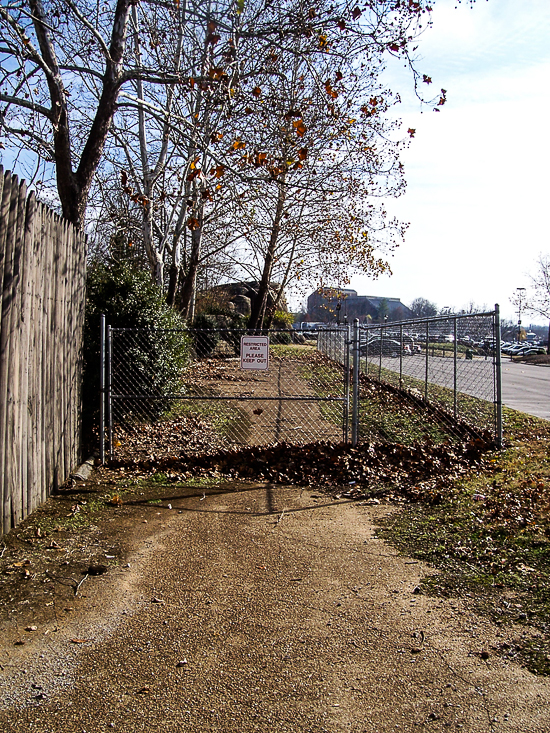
(490, 535)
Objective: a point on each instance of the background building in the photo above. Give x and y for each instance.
(335, 305)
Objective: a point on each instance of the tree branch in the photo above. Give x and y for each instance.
(27, 104)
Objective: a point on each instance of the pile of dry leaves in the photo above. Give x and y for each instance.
(416, 471)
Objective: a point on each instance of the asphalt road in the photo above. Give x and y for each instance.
(526, 388)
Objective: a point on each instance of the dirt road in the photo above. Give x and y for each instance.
(264, 609)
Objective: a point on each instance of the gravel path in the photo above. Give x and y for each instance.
(265, 609)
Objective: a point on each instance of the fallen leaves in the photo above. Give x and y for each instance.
(419, 471)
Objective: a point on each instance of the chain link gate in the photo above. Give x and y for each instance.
(436, 378)
(299, 396)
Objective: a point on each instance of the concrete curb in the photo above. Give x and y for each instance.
(84, 470)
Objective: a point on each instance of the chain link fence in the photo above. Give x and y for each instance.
(297, 395)
(433, 379)
(427, 378)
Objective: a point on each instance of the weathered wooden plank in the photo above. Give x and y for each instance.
(5, 198)
(65, 346)
(71, 344)
(6, 413)
(28, 274)
(13, 393)
(48, 355)
(36, 386)
(77, 284)
(79, 298)
(59, 406)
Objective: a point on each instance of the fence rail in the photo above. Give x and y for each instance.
(42, 285)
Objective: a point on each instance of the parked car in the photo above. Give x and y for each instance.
(513, 348)
(530, 351)
(388, 347)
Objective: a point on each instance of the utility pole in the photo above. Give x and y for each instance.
(521, 295)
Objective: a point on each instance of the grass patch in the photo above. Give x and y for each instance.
(224, 417)
(490, 536)
(76, 516)
(281, 351)
(383, 414)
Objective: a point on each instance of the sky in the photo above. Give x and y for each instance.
(478, 194)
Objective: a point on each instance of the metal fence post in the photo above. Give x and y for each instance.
(102, 389)
(498, 376)
(109, 389)
(355, 390)
(401, 356)
(346, 334)
(367, 363)
(427, 360)
(381, 344)
(455, 380)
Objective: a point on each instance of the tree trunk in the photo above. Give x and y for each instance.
(189, 286)
(154, 255)
(173, 282)
(282, 285)
(73, 186)
(259, 305)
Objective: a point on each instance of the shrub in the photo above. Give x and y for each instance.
(283, 319)
(205, 337)
(280, 337)
(153, 360)
(228, 325)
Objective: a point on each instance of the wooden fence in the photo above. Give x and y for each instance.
(42, 285)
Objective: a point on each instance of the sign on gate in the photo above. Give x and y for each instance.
(254, 352)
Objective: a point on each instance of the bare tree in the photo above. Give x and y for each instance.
(538, 301)
(322, 150)
(423, 308)
(64, 65)
(186, 97)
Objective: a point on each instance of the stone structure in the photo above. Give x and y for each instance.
(238, 297)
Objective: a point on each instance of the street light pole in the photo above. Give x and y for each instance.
(521, 294)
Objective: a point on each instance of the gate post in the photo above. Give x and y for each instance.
(455, 370)
(110, 389)
(102, 389)
(498, 375)
(345, 335)
(355, 385)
